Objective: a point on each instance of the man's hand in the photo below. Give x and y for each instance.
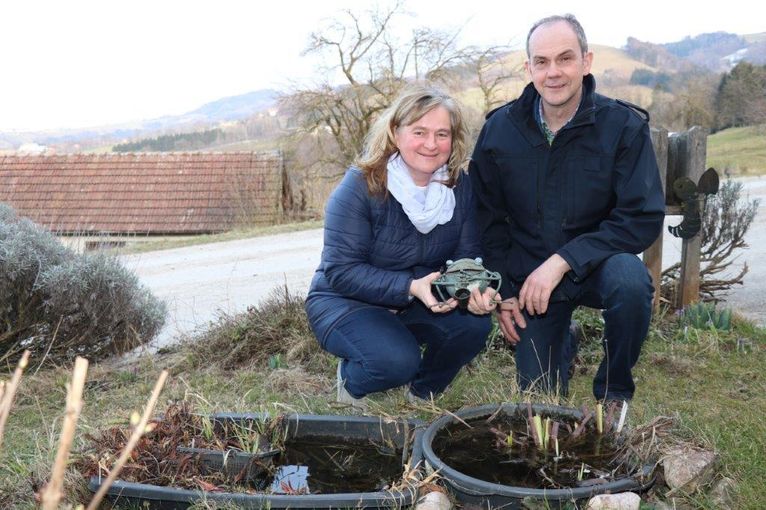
(481, 303)
(509, 316)
(536, 291)
(421, 289)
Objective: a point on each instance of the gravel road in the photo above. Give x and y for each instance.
(200, 282)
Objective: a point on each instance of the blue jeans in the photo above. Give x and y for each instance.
(622, 288)
(382, 350)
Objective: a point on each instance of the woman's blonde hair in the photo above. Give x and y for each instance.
(410, 107)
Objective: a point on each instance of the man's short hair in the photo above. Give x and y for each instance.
(568, 18)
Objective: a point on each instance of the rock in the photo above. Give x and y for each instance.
(722, 493)
(620, 501)
(672, 504)
(689, 469)
(434, 501)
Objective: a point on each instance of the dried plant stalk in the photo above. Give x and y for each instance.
(138, 431)
(53, 491)
(10, 392)
(600, 418)
(531, 426)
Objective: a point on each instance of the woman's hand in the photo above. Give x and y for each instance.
(421, 289)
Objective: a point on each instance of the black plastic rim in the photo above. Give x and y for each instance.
(169, 497)
(474, 487)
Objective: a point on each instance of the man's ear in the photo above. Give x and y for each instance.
(587, 62)
(528, 69)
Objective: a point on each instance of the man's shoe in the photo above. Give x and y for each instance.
(343, 396)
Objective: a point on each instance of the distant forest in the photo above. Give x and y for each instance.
(176, 142)
(256, 127)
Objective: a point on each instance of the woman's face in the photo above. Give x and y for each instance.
(426, 144)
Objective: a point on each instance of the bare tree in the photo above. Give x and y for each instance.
(493, 73)
(374, 65)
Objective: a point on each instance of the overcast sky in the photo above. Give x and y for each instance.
(78, 63)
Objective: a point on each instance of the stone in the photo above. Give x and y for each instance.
(722, 493)
(672, 504)
(434, 501)
(689, 469)
(620, 501)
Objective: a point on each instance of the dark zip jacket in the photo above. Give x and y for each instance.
(593, 193)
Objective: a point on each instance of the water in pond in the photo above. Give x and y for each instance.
(482, 452)
(328, 466)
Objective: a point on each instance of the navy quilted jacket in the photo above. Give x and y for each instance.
(372, 251)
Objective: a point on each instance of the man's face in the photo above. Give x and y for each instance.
(557, 65)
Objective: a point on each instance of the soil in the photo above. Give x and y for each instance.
(482, 451)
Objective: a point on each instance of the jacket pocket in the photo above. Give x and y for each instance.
(591, 195)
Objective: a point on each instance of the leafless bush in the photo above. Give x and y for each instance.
(60, 304)
(725, 221)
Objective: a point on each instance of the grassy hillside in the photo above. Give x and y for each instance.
(614, 61)
(738, 150)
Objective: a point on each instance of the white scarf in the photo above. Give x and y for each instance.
(439, 203)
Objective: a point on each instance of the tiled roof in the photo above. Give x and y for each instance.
(146, 193)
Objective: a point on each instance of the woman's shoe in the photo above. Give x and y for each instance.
(344, 397)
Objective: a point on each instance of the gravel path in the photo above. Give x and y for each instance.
(200, 282)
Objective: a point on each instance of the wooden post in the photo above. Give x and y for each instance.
(687, 153)
(653, 254)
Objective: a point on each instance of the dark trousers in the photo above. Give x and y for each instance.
(622, 288)
(382, 350)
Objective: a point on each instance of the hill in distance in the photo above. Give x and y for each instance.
(210, 114)
(716, 52)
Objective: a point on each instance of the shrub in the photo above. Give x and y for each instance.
(725, 221)
(60, 304)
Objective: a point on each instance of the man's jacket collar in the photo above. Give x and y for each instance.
(521, 111)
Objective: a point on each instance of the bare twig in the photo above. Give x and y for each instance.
(53, 491)
(138, 431)
(10, 392)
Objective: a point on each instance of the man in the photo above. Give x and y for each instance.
(568, 191)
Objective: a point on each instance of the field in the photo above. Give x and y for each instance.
(738, 151)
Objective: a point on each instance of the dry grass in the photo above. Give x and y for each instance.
(276, 329)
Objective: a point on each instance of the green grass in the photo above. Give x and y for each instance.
(740, 151)
(166, 243)
(714, 389)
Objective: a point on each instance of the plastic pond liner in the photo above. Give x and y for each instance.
(325, 462)
(487, 458)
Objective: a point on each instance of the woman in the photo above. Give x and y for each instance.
(391, 223)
